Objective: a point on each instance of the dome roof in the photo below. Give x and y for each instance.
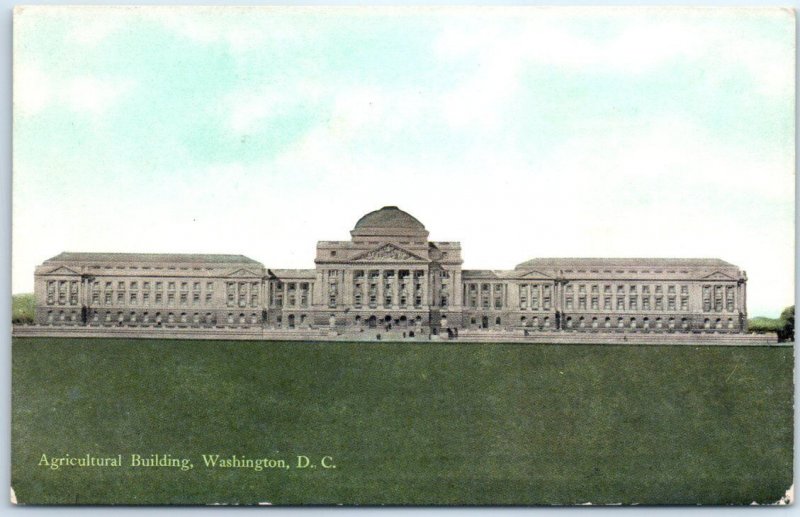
(389, 217)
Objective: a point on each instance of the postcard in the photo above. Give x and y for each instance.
(403, 256)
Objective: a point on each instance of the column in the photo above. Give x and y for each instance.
(347, 287)
(380, 289)
(458, 290)
(424, 282)
(396, 290)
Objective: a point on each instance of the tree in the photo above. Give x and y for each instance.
(786, 331)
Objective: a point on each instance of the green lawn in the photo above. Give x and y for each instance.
(405, 424)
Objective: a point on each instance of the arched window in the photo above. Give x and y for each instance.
(633, 323)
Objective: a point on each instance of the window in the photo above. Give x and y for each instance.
(120, 285)
(171, 298)
(718, 298)
(620, 303)
(159, 285)
(145, 285)
(568, 303)
(671, 303)
(134, 285)
(684, 303)
(184, 286)
(134, 299)
(659, 303)
(607, 303)
(209, 286)
(633, 303)
(159, 297)
(171, 286)
(120, 297)
(195, 298)
(196, 286)
(523, 297)
(706, 298)
(595, 303)
(184, 298)
(145, 298)
(208, 298)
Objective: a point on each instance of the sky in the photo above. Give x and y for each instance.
(520, 132)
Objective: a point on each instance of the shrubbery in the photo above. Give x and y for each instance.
(783, 326)
(22, 309)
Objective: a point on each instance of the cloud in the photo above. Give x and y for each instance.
(32, 91)
(95, 95)
(36, 90)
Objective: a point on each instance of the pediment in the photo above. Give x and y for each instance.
(718, 275)
(62, 270)
(242, 273)
(535, 274)
(388, 253)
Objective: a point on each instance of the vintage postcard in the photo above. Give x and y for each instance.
(403, 256)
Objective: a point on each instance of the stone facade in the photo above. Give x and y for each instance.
(389, 276)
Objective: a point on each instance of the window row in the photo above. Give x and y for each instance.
(146, 285)
(631, 302)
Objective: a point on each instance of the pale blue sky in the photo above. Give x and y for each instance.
(520, 132)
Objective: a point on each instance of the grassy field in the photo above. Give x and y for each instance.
(404, 424)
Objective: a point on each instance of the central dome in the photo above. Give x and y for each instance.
(389, 217)
(388, 221)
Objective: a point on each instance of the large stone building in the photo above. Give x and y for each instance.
(389, 275)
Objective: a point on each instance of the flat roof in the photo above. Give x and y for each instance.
(152, 258)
